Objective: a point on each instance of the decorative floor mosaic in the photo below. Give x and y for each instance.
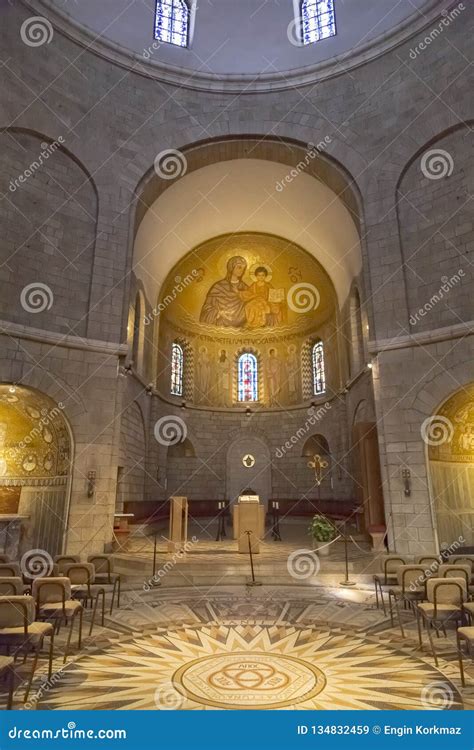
(268, 648)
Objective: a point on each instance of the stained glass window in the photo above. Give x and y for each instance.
(177, 366)
(318, 20)
(248, 377)
(319, 374)
(172, 22)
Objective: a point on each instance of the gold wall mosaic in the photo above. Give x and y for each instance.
(246, 292)
(34, 440)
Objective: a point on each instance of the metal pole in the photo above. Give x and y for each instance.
(253, 582)
(346, 581)
(154, 556)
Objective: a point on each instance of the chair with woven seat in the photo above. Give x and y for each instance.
(390, 566)
(84, 588)
(464, 634)
(464, 560)
(10, 570)
(20, 632)
(457, 571)
(7, 673)
(410, 589)
(445, 600)
(13, 586)
(54, 602)
(61, 562)
(105, 575)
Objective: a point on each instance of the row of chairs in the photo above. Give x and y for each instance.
(437, 592)
(33, 609)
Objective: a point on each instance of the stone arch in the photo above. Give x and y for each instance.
(47, 278)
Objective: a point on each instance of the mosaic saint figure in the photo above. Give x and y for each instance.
(273, 367)
(224, 305)
(223, 379)
(261, 310)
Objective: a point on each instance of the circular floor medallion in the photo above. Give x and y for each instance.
(249, 681)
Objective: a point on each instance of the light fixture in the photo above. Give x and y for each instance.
(406, 476)
(183, 404)
(248, 412)
(91, 478)
(369, 365)
(12, 389)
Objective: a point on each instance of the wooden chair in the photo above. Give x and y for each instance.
(104, 575)
(21, 633)
(390, 566)
(429, 561)
(464, 634)
(84, 588)
(54, 602)
(445, 600)
(457, 571)
(7, 673)
(411, 589)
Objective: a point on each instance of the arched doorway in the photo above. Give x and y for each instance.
(35, 463)
(449, 436)
(365, 459)
(248, 468)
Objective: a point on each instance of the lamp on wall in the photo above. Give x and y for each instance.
(248, 412)
(406, 476)
(91, 478)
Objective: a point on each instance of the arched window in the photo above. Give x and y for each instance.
(247, 377)
(319, 374)
(177, 367)
(172, 22)
(318, 20)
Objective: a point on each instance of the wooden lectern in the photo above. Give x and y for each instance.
(249, 515)
(178, 524)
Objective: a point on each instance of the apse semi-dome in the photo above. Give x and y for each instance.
(246, 45)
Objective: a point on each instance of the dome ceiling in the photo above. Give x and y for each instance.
(247, 41)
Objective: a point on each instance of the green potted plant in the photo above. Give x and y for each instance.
(322, 531)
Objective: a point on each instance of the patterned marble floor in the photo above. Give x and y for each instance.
(268, 647)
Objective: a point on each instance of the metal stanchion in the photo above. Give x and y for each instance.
(346, 581)
(253, 582)
(221, 522)
(276, 536)
(154, 556)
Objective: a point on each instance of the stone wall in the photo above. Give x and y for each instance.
(381, 119)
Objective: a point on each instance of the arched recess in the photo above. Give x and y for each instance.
(36, 453)
(449, 436)
(365, 462)
(294, 159)
(131, 462)
(435, 228)
(46, 278)
(242, 476)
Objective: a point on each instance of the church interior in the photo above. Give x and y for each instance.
(236, 355)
